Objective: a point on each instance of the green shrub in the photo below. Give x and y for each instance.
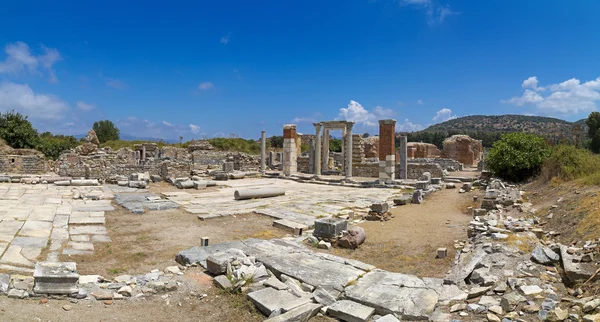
(235, 144)
(53, 145)
(518, 156)
(567, 162)
(17, 131)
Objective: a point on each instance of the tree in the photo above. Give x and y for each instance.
(276, 142)
(335, 145)
(366, 135)
(593, 123)
(106, 131)
(518, 156)
(17, 131)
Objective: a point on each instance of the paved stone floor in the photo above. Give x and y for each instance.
(302, 203)
(42, 217)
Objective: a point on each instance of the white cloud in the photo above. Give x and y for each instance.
(443, 115)
(205, 86)
(21, 98)
(420, 102)
(19, 57)
(532, 82)
(194, 128)
(225, 39)
(116, 84)
(435, 12)
(69, 124)
(568, 97)
(408, 126)
(85, 106)
(167, 123)
(358, 114)
(298, 120)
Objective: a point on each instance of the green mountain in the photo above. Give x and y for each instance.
(545, 126)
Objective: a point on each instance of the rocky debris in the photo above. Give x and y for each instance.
(353, 238)
(200, 145)
(379, 212)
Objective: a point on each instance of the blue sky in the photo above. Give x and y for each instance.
(216, 68)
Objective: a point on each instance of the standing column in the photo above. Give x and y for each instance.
(311, 156)
(387, 157)
(143, 153)
(325, 149)
(317, 149)
(290, 153)
(263, 151)
(403, 158)
(348, 158)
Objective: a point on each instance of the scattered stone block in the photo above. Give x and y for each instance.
(295, 227)
(544, 255)
(55, 278)
(380, 207)
(324, 245)
(330, 227)
(303, 313)
(223, 282)
(322, 296)
(442, 252)
(355, 237)
(350, 311)
(17, 294)
(417, 197)
(270, 300)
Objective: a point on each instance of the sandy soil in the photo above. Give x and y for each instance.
(408, 242)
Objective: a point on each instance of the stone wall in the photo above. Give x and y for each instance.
(415, 170)
(422, 150)
(463, 149)
(303, 163)
(446, 164)
(23, 162)
(366, 169)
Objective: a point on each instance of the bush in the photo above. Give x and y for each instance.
(17, 131)
(518, 156)
(53, 145)
(567, 162)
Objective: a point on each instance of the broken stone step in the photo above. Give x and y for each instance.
(55, 278)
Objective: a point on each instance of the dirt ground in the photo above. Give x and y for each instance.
(407, 243)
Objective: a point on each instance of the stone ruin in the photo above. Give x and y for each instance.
(422, 150)
(463, 149)
(22, 160)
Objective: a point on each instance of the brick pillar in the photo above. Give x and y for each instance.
(403, 158)
(387, 156)
(290, 153)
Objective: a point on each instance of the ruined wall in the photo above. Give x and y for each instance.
(24, 162)
(415, 170)
(303, 162)
(366, 169)
(463, 149)
(446, 164)
(371, 146)
(422, 150)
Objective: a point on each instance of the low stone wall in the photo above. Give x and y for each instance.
(303, 164)
(443, 162)
(24, 164)
(415, 170)
(367, 170)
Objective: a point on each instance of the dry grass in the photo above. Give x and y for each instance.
(589, 225)
(523, 243)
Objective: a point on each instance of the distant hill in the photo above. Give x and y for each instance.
(489, 128)
(545, 126)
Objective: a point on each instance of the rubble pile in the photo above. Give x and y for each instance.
(61, 280)
(512, 270)
(379, 212)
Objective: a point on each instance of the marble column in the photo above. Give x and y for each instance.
(403, 174)
(348, 158)
(263, 151)
(325, 156)
(317, 149)
(290, 153)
